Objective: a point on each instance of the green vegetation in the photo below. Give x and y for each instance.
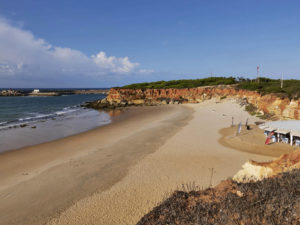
(291, 88)
(211, 81)
(251, 109)
(267, 116)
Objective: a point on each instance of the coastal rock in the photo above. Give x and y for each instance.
(137, 101)
(45, 94)
(252, 172)
(10, 93)
(281, 108)
(256, 171)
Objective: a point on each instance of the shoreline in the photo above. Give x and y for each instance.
(27, 121)
(30, 133)
(64, 171)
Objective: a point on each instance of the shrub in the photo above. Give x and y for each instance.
(291, 88)
(251, 109)
(211, 81)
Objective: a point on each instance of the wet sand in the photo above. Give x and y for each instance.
(40, 182)
(252, 141)
(192, 155)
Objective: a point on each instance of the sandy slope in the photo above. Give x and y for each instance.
(185, 158)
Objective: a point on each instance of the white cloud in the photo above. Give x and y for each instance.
(118, 65)
(146, 71)
(24, 56)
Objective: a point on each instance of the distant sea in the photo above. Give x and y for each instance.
(28, 120)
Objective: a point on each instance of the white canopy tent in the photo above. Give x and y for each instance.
(294, 133)
(263, 126)
(284, 127)
(291, 125)
(269, 129)
(280, 131)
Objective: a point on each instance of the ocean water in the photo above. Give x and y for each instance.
(15, 110)
(29, 120)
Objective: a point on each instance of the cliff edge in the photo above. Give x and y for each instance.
(279, 107)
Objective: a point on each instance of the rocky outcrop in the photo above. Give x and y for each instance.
(282, 108)
(255, 171)
(44, 94)
(10, 93)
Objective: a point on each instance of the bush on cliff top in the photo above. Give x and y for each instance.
(211, 81)
(291, 88)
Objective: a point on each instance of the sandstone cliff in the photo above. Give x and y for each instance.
(255, 171)
(282, 108)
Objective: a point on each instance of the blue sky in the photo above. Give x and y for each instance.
(107, 43)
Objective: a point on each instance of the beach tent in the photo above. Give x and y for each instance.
(263, 126)
(282, 126)
(294, 133)
(282, 132)
(297, 135)
(270, 129)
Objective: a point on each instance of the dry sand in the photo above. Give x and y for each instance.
(253, 141)
(184, 158)
(39, 182)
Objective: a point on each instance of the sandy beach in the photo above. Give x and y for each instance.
(116, 173)
(39, 182)
(185, 158)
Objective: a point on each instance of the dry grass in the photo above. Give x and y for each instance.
(270, 201)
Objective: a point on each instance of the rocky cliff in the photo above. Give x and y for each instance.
(255, 171)
(282, 108)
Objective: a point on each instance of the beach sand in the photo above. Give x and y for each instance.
(192, 155)
(39, 182)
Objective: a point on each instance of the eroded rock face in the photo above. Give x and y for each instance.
(255, 171)
(281, 108)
